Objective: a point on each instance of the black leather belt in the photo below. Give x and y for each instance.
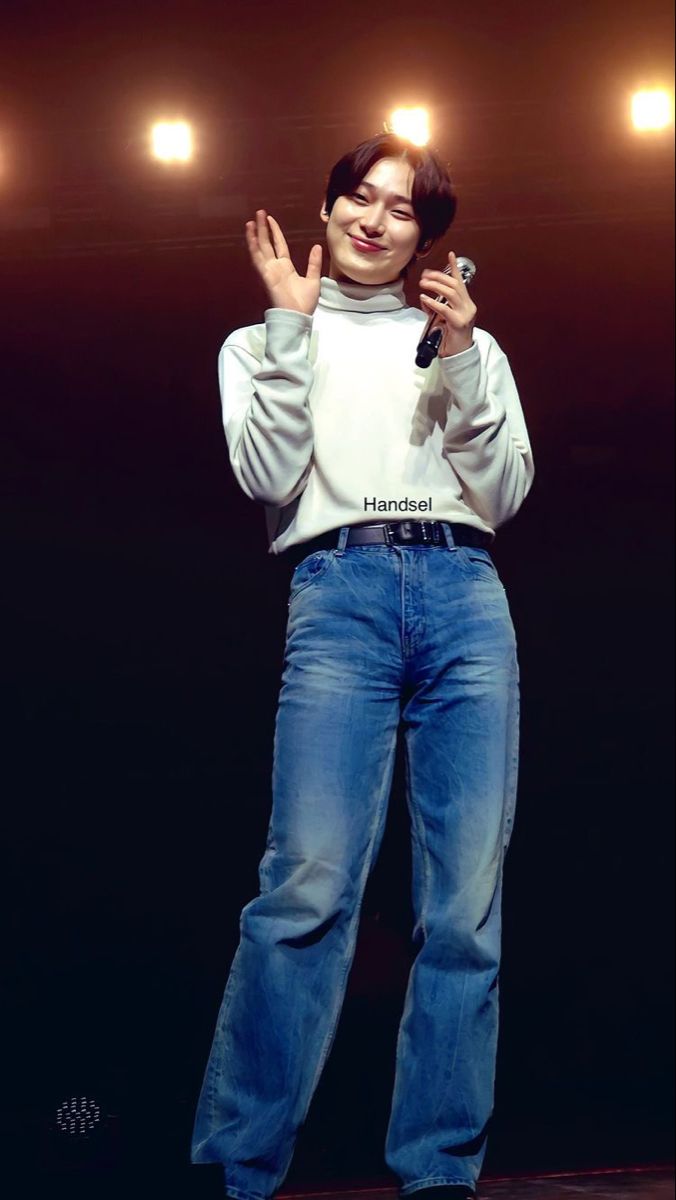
(390, 533)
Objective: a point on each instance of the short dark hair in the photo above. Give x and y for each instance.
(434, 201)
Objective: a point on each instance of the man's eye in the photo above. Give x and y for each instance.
(398, 211)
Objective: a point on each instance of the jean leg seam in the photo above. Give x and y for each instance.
(220, 1058)
(420, 831)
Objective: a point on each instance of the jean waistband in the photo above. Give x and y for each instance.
(390, 533)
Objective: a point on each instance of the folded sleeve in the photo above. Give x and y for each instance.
(264, 400)
(485, 436)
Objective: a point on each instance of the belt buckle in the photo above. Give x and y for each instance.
(400, 532)
(406, 532)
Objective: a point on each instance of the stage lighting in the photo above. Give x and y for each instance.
(172, 141)
(652, 109)
(410, 123)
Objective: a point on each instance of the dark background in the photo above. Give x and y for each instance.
(144, 621)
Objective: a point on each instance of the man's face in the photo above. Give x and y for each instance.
(373, 214)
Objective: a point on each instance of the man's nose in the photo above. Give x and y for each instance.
(372, 219)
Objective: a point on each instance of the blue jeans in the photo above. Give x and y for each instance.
(376, 635)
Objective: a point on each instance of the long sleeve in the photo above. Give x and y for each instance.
(485, 436)
(266, 418)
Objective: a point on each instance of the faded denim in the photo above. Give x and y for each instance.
(376, 635)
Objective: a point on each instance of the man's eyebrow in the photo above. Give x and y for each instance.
(392, 195)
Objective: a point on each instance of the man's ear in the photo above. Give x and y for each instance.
(424, 253)
(323, 214)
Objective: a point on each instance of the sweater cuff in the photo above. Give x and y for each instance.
(289, 317)
(456, 363)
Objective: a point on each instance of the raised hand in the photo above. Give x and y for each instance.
(285, 287)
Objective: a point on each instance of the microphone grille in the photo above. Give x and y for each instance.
(467, 269)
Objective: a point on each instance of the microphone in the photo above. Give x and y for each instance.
(428, 346)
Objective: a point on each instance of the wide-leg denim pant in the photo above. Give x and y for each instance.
(376, 635)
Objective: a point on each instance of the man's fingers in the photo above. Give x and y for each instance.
(258, 238)
(262, 230)
(457, 274)
(314, 262)
(278, 238)
(252, 242)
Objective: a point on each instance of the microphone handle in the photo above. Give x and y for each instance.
(428, 346)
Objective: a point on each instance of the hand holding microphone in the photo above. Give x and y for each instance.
(449, 329)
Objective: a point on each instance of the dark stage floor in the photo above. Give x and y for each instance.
(639, 1184)
(206, 1183)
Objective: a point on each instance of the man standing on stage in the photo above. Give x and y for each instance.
(335, 430)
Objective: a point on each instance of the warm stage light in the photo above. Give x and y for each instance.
(172, 141)
(411, 124)
(652, 109)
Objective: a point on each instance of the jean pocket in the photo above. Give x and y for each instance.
(310, 570)
(479, 564)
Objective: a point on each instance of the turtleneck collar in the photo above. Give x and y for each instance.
(361, 297)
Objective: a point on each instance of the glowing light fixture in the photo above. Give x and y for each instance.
(172, 141)
(410, 123)
(652, 109)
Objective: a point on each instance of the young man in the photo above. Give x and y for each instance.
(392, 619)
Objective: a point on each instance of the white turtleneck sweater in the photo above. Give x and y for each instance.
(329, 422)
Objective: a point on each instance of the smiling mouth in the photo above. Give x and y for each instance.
(369, 246)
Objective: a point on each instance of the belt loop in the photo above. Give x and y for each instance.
(342, 539)
(448, 534)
